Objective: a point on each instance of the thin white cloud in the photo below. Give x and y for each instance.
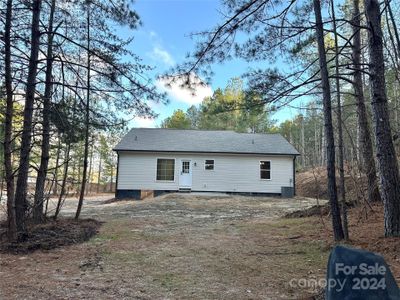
(179, 93)
(152, 34)
(161, 55)
(142, 122)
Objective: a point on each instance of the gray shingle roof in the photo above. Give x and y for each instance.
(176, 140)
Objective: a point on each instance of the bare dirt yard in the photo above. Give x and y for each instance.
(188, 246)
(179, 246)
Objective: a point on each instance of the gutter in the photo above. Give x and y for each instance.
(207, 152)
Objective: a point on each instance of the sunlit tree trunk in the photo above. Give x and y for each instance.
(26, 137)
(89, 188)
(329, 136)
(44, 160)
(99, 174)
(87, 120)
(11, 218)
(342, 188)
(64, 180)
(368, 161)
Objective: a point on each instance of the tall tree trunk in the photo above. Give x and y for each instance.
(396, 112)
(368, 161)
(54, 187)
(112, 177)
(393, 20)
(22, 181)
(342, 188)
(44, 160)
(79, 179)
(54, 181)
(330, 144)
(99, 175)
(387, 160)
(66, 162)
(73, 167)
(303, 143)
(87, 120)
(11, 218)
(64, 180)
(88, 190)
(394, 59)
(323, 148)
(316, 151)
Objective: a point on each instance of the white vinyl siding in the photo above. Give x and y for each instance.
(233, 173)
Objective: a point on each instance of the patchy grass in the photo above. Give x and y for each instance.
(182, 247)
(250, 258)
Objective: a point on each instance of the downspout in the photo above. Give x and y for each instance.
(294, 175)
(117, 175)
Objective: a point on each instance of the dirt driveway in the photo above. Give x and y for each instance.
(178, 246)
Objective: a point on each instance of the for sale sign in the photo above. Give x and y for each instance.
(359, 274)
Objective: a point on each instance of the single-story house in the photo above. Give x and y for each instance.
(167, 160)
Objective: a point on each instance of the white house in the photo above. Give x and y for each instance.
(166, 160)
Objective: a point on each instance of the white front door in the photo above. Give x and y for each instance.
(185, 174)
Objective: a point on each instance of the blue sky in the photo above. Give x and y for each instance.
(163, 41)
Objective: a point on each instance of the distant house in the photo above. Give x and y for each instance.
(166, 160)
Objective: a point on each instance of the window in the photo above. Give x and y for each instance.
(209, 164)
(265, 169)
(165, 169)
(185, 167)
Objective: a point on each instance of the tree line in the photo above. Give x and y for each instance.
(231, 108)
